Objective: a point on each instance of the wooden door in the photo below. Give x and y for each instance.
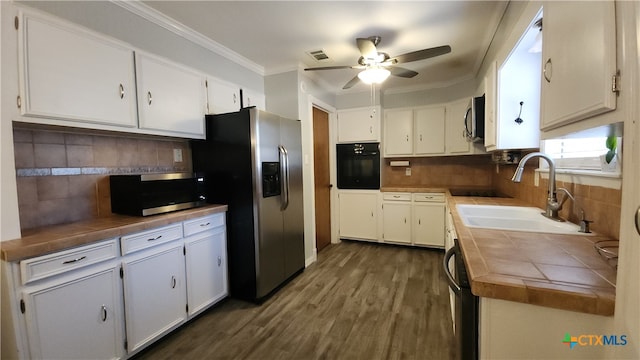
(322, 179)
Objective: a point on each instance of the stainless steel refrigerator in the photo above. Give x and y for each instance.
(252, 161)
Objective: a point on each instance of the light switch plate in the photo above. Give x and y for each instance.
(177, 155)
(407, 171)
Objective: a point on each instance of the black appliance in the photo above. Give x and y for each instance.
(474, 119)
(358, 166)
(149, 194)
(466, 306)
(253, 163)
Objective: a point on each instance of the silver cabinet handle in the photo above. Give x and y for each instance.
(173, 282)
(419, 222)
(121, 91)
(149, 97)
(638, 220)
(219, 260)
(420, 137)
(370, 129)
(155, 238)
(104, 313)
(235, 98)
(74, 260)
(205, 224)
(548, 74)
(405, 220)
(372, 214)
(407, 139)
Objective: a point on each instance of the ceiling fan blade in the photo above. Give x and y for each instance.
(333, 67)
(402, 72)
(351, 82)
(367, 48)
(422, 54)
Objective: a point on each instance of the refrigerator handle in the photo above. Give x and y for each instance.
(284, 175)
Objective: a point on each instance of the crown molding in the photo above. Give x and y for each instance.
(146, 12)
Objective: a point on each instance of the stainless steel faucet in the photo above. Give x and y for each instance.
(553, 206)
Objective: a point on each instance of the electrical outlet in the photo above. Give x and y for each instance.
(177, 155)
(407, 171)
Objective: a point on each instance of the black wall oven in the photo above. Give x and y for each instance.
(358, 166)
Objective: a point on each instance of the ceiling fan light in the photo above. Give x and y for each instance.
(374, 75)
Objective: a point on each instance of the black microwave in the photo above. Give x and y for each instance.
(150, 194)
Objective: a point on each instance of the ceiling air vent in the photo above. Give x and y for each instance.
(318, 55)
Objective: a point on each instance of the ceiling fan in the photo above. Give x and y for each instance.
(377, 66)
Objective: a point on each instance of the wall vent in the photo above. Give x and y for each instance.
(318, 55)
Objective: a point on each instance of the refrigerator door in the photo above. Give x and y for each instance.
(293, 218)
(269, 247)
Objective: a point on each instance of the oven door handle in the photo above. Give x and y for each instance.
(445, 264)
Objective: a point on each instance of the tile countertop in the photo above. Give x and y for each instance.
(44, 240)
(552, 270)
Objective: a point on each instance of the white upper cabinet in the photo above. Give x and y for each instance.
(359, 125)
(517, 123)
(222, 96)
(253, 98)
(171, 97)
(398, 132)
(456, 142)
(69, 73)
(429, 131)
(579, 61)
(491, 93)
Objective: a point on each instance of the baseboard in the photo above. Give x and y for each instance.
(313, 258)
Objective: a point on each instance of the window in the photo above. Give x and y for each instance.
(577, 153)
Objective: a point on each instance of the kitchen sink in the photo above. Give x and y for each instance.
(513, 218)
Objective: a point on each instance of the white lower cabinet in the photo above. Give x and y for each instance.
(79, 318)
(206, 262)
(72, 303)
(359, 214)
(417, 219)
(110, 299)
(428, 224)
(396, 217)
(155, 294)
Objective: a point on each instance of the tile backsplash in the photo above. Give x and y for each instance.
(601, 205)
(446, 171)
(63, 175)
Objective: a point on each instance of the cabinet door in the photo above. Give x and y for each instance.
(154, 289)
(76, 319)
(253, 98)
(456, 142)
(359, 215)
(429, 224)
(359, 125)
(206, 257)
(171, 98)
(222, 96)
(429, 131)
(397, 221)
(491, 93)
(398, 132)
(72, 74)
(579, 61)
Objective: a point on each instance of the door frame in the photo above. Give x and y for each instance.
(333, 136)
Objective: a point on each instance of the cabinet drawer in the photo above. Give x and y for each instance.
(146, 239)
(203, 224)
(53, 264)
(397, 196)
(428, 197)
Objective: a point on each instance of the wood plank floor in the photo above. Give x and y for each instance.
(358, 301)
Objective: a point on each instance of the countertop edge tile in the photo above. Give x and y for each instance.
(37, 242)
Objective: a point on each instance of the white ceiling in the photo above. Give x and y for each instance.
(277, 35)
